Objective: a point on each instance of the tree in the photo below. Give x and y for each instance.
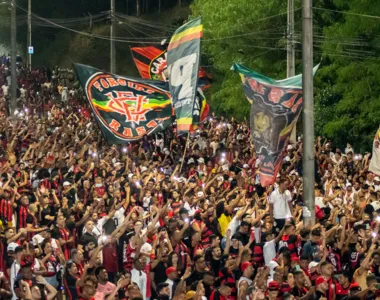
(240, 31)
(348, 90)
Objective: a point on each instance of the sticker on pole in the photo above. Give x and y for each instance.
(31, 50)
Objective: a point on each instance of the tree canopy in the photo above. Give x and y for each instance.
(345, 41)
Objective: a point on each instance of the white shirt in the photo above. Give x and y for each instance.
(15, 268)
(98, 228)
(269, 250)
(5, 90)
(319, 202)
(272, 269)
(139, 277)
(170, 283)
(280, 204)
(119, 217)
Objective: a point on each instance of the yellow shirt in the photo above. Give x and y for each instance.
(361, 279)
(223, 223)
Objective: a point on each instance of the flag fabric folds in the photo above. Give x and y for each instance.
(183, 65)
(374, 165)
(275, 108)
(151, 64)
(125, 108)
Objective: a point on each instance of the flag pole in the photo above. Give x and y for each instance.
(184, 152)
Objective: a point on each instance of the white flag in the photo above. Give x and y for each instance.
(374, 165)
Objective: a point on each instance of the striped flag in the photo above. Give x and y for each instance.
(183, 65)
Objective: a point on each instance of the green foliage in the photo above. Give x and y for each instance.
(347, 101)
(346, 86)
(232, 33)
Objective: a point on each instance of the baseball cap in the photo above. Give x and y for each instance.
(273, 286)
(355, 286)
(66, 183)
(313, 264)
(245, 166)
(12, 247)
(245, 265)
(190, 295)
(170, 270)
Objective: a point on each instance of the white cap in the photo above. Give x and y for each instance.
(245, 166)
(220, 178)
(12, 247)
(201, 160)
(290, 147)
(225, 167)
(130, 175)
(313, 264)
(181, 179)
(66, 183)
(143, 169)
(287, 158)
(117, 164)
(190, 161)
(348, 184)
(200, 194)
(376, 178)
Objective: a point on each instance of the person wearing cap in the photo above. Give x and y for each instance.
(273, 290)
(201, 169)
(245, 280)
(321, 288)
(172, 275)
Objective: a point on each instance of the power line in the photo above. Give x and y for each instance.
(348, 13)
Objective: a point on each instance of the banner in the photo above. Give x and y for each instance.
(183, 64)
(275, 108)
(151, 64)
(203, 107)
(125, 108)
(374, 165)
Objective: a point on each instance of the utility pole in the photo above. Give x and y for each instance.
(30, 32)
(112, 45)
(290, 46)
(290, 58)
(308, 110)
(138, 12)
(13, 103)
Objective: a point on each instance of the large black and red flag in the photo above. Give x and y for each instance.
(125, 108)
(151, 64)
(275, 108)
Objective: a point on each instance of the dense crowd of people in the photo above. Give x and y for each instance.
(81, 219)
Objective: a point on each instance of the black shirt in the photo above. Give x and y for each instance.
(87, 238)
(47, 211)
(195, 276)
